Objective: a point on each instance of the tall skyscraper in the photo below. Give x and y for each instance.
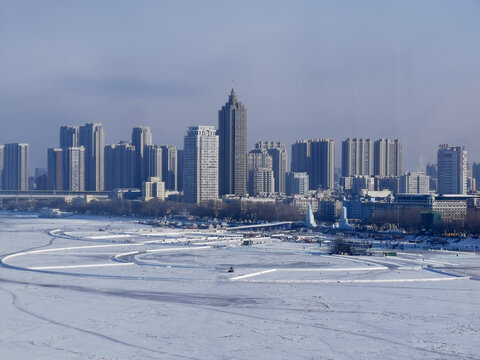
(300, 156)
(74, 168)
(55, 169)
(152, 161)
(452, 170)
(69, 136)
(91, 136)
(15, 167)
(232, 130)
(141, 137)
(322, 162)
(357, 157)
(278, 152)
(388, 158)
(120, 166)
(200, 182)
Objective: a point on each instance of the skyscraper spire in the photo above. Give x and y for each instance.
(233, 97)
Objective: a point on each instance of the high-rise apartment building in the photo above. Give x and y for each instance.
(152, 161)
(55, 169)
(66, 168)
(120, 166)
(452, 170)
(278, 152)
(300, 156)
(259, 158)
(388, 157)
(232, 130)
(357, 157)
(141, 137)
(74, 169)
(91, 136)
(169, 166)
(201, 160)
(69, 136)
(15, 172)
(261, 180)
(322, 161)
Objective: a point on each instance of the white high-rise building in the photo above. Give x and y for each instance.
(200, 175)
(74, 168)
(452, 170)
(357, 157)
(388, 159)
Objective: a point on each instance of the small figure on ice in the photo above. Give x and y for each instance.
(231, 269)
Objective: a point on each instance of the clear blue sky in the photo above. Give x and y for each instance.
(304, 69)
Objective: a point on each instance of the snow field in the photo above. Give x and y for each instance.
(168, 295)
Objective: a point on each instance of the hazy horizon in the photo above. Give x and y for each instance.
(303, 69)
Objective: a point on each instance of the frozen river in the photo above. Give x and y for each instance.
(98, 288)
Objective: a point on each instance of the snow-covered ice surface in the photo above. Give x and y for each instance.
(99, 288)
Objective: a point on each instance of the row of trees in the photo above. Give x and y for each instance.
(234, 210)
(410, 219)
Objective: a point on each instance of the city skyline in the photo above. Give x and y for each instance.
(120, 165)
(380, 69)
